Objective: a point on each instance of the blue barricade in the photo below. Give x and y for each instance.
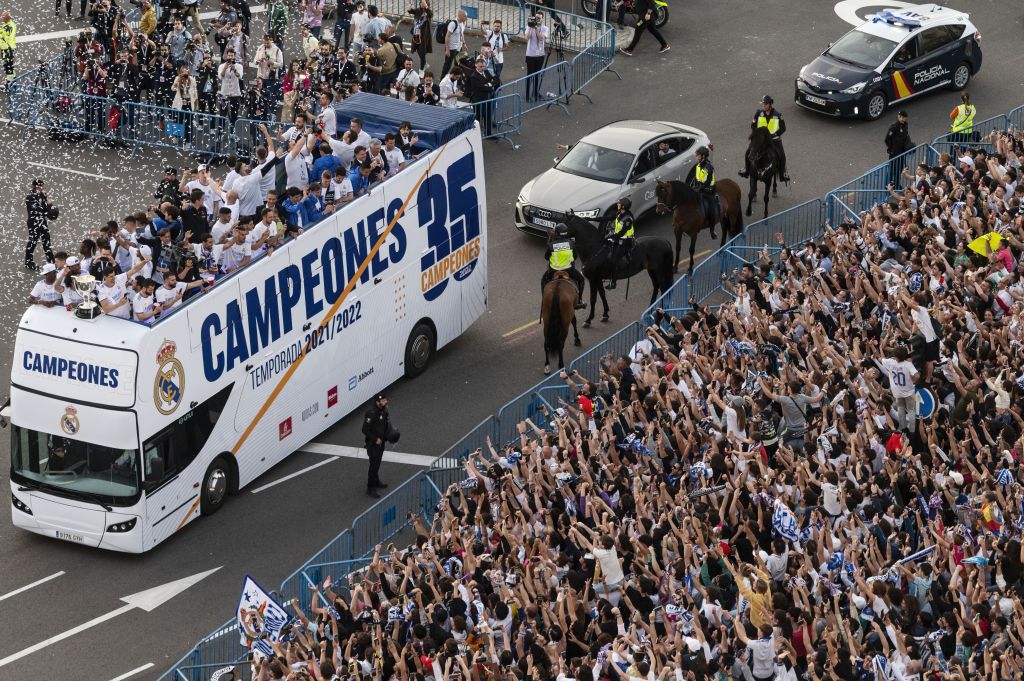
(548, 87)
(500, 117)
(589, 364)
(510, 12)
(977, 139)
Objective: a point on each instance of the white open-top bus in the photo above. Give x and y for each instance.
(123, 433)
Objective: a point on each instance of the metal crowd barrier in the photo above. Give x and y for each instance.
(506, 117)
(247, 135)
(594, 59)
(589, 363)
(871, 188)
(981, 129)
(511, 13)
(1016, 118)
(551, 86)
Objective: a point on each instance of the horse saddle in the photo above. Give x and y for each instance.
(564, 274)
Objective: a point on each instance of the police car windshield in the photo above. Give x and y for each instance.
(596, 163)
(73, 468)
(862, 49)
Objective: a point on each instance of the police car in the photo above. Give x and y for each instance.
(895, 55)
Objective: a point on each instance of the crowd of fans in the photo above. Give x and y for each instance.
(752, 492)
(201, 229)
(230, 68)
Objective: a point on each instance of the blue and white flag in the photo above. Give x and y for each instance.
(784, 522)
(260, 618)
(1004, 477)
(880, 667)
(917, 557)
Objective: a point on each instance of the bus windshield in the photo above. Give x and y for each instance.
(72, 468)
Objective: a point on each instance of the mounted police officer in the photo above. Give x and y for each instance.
(561, 257)
(620, 236)
(768, 117)
(702, 179)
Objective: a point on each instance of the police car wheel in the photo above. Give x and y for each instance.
(419, 349)
(215, 487)
(961, 77)
(876, 107)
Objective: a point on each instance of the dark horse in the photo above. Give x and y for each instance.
(761, 165)
(688, 213)
(556, 313)
(649, 253)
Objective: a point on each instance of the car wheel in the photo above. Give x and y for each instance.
(876, 106)
(215, 486)
(961, 77)
(589, 7)
(419, 349)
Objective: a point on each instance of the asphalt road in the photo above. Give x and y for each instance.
(724, 57)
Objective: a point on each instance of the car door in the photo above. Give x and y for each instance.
(935, 65)
(901, 68)
(677, 165)
(640, 182)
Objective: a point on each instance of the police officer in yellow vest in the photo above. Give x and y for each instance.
(561, 257)
(702, 178)
(963, 119)
(8, 38)
(620, 237)
(768, 117)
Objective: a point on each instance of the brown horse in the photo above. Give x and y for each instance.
(688, 214)
(558, 304)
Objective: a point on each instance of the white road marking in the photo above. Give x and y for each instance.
(69, 170)
(128, 675)
(29, 586)
(71, 33)
(847, 9)
(341, 452)
(293, 475)
(147, 600)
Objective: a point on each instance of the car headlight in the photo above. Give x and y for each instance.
(854, 89)
(588, 214)
(527, 211)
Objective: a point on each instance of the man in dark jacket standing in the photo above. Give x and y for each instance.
(482, 85)
(897, 141)
(39, 210)
(376, 425)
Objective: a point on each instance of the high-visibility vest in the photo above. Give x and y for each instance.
(700, 174)
(8, 35)
(621, 229)
(964, 121)
(561, 256)
(770, 122)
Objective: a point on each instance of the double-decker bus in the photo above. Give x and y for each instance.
(123, 433)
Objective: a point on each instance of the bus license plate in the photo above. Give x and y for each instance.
(67, 536)
(815, 100)
(545, 223)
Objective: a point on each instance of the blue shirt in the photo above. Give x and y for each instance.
(292, 211)
(313, 209)
(328, 162)
(359, 181)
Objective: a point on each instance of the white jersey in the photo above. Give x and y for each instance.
(114, 295)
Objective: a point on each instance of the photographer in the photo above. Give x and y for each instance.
(454, 40)
(86, 48)
(377, 430)
(124, 83)
(94, 84)
(428, 92)
(230, 75)
(448, 91)
(177, 41)
(536, 49)
(268, 62)
(206, 85)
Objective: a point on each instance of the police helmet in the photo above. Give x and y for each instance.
(703, 151)
(561, 229)
(625, 203)
(767, 99)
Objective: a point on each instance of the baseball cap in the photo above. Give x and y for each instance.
(72, 261)
(171, 170)
(37, 183)
(47, 268)
(966, 159)
(902, 112)
(379, 397)
(201, 167)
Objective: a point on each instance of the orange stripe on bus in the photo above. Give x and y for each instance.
(189, 514)
(334, 308)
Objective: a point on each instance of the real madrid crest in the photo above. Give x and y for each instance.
(69, 421)
(169, 385)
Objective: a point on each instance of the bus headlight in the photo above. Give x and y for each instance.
(126, 526)
(855, 89)
(20, 505)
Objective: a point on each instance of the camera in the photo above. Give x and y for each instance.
(532, 21)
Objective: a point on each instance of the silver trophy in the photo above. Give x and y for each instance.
(88, 309)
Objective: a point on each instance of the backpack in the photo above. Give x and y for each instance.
(441, 32)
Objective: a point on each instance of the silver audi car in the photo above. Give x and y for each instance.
(622, 159)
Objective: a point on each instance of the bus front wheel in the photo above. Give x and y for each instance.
(215, 486)
(419, 349)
